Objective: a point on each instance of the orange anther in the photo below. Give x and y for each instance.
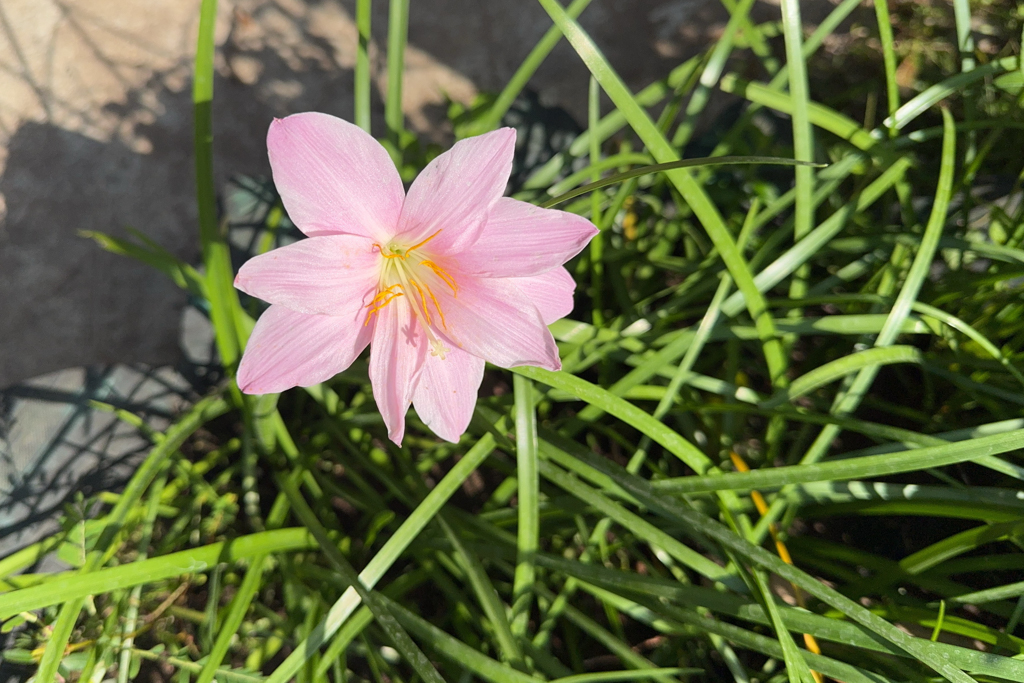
(420, 244)
(443, 274)
(423, 299)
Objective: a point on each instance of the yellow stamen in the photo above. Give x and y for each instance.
(423, 299)
(396, 268)
(383, 298)
(438, 307)
(443, 274)
(420, 244)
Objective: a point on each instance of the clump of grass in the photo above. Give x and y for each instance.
(784, 443)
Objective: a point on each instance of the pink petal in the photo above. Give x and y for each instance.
(396, 357)
(491, 318)
(550, 292)
(289, 349)
(455, 192)
(333, 177)
(446, 392)
(332, 274)
(521, 239)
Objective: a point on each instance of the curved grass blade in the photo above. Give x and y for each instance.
(72, 586)
(842, 367)
(672, 165)
(528, 508)
(625, 411)
(852, 468)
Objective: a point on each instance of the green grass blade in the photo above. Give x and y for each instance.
(661, 168)
(803, 136)
(68, 586)
(486, 595)
(228, 628)
(361, 89)
(625, 411)
(948, 88)
(714, 531)
(398, 35)
(458, 652)
(892, 91)
(841, 367)
(528, 506)
(216, 255)
(851, 468)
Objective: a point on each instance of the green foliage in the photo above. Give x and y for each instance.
(851, 329)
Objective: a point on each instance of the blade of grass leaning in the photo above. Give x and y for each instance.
(958, 544)
(797, 620)
(841, 367)
(637, 525)
(229, 625)
(181, 274)
(625, 411)
(486, 595)
(798, 254)
(596, 246)
(892, 91)
(528, 505)
(76, 585)
(803, 135)
(398, 35)
(216, 255)
(948, 87)
(668, 166)
(712, 71)
(361, 87)
(632, 675)
(851, 468)
(692, 193)
(384, 559)
(968, 331)
(457, 651)
(131, 616)
(818, 114)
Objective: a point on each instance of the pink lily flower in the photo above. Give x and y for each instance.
(437, 281)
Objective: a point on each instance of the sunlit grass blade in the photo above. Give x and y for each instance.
(803, 135)
(851, 468)
(841, 367)
(668, 166)
(528, 505)
(216, 255)
(361, 88)
(398, 35)
(77, 585)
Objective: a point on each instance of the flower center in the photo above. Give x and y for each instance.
(406, 273)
